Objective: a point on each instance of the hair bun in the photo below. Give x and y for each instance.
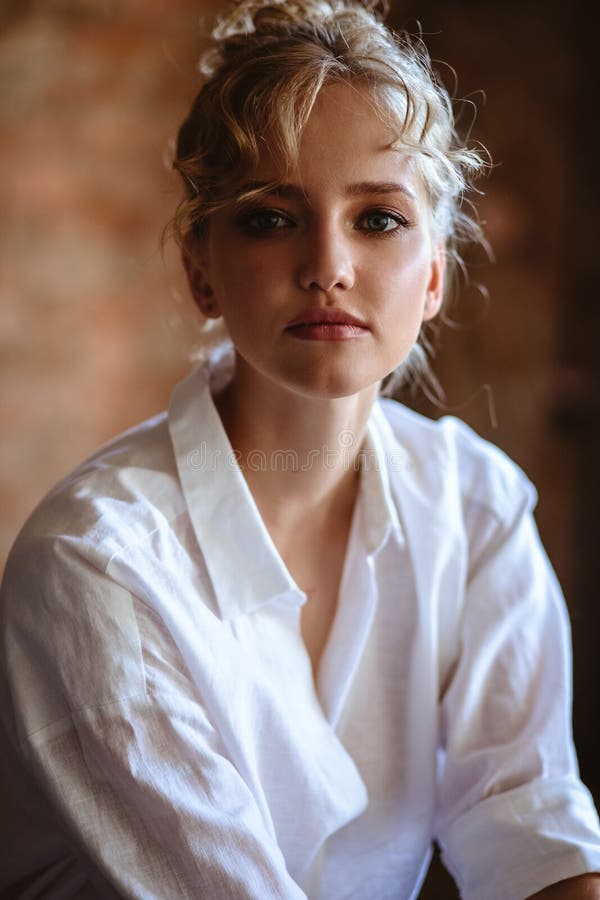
(260, 16)
(271, 19)
(264, 16)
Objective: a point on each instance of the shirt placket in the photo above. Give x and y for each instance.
(351, 627)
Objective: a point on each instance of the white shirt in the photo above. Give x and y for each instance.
(160, 697)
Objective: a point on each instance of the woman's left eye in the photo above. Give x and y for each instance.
(378, 221)
(261, 221)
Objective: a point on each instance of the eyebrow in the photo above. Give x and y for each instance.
(294, 192)
(379, 187)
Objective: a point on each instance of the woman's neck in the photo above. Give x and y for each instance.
(297, 448)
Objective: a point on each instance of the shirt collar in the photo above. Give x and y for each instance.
(243, 563)
(228, 526)
(380, 454)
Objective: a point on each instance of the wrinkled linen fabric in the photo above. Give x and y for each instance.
(165, 736)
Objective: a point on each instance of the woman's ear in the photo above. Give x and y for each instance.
(195, 269)
(435, 288)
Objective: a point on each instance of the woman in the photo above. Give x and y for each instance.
(273, 642)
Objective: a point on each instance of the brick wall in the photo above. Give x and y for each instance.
(96, 327)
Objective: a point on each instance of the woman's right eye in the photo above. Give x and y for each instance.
(259, 221)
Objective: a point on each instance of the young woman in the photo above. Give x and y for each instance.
(273, 642)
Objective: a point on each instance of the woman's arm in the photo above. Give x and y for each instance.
(514, 816)
(584, 887)
(122, 746)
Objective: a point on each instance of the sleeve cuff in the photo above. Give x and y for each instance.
(513, 844)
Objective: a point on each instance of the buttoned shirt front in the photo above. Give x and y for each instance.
(161, 706)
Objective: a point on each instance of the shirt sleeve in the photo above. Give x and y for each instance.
(139, 778)
(514, 816)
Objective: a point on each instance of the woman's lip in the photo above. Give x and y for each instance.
(327, 331)
(319, 316)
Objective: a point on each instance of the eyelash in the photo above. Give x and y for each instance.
(245, 222)
(400, 220)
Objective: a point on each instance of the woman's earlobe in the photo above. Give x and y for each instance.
(433, 305)
(200, 289)
(208, 307)
(435, 288)
(204, 297)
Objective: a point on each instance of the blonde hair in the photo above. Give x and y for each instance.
(268, 61)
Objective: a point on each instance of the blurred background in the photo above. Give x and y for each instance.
(95, 322)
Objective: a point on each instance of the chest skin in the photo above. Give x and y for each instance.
(317, 566)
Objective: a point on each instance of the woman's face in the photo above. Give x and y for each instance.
(324, 284)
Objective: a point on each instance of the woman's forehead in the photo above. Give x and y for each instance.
(345, 134)
(350, 171)
(346, 106)
(346, 148)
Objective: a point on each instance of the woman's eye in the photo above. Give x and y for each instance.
(264, 220)
(379, 222)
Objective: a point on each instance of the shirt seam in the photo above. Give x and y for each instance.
(142, 540)
(73, 711)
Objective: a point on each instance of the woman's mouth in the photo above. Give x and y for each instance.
(319, 324)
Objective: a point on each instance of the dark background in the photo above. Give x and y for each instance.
(96, 325)
(532, 345)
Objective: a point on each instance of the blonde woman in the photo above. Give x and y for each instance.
(275, 641)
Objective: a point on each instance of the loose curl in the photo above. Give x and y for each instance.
(268, 61)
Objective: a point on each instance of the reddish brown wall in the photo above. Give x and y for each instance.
(94, 324)
(95, 327)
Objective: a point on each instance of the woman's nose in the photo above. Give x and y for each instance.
(327, 262)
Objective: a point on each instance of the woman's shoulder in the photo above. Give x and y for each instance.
(121, 492)
(71, 623)
(446, 454)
